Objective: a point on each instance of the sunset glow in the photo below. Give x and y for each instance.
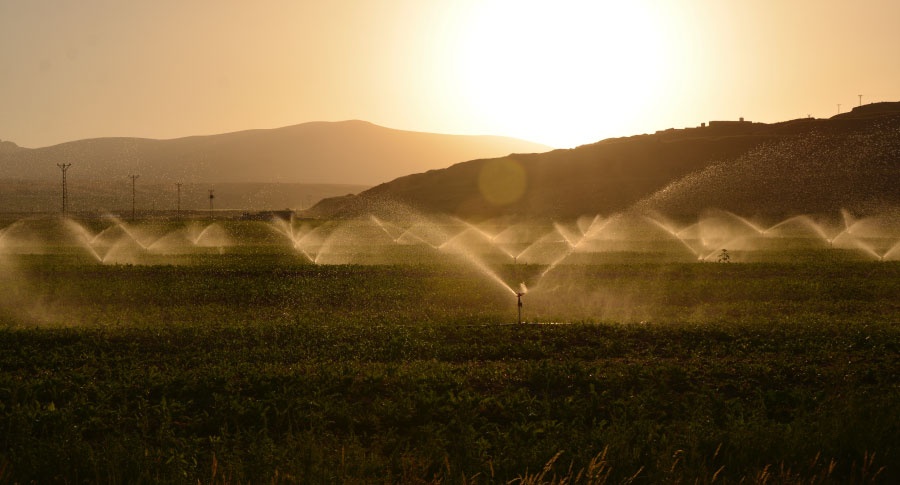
(559, 73)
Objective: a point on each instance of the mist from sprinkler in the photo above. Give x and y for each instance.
(541, 246)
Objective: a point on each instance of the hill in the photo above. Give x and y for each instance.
(347, 152)
(801, 165)
(870, 111)
(825, 170)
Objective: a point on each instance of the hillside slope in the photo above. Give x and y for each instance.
(347, 152)
(793, 166)
(820, 171)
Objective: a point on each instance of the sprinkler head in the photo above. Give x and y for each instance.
(519, 301)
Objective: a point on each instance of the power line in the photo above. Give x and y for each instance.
(65, 190)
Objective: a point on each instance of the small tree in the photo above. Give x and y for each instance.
(724, 257)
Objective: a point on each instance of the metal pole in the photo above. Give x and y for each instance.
(211, 197)
(133, 178)
(65, 193)
(519, 303)
(860, 99)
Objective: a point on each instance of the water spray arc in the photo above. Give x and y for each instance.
(454, 245)
(591, 231)
(542, 246)
(301, 241)
(675, 234)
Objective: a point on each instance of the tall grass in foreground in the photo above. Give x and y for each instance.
(598, 471)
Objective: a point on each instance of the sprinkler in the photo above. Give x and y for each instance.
(519, 298)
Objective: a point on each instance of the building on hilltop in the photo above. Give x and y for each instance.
(740, 121)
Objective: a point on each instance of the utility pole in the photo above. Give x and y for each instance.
(211, 197)
(178, 204)
(860, 99)
(133, 178)
(65, 189)
(839, 108)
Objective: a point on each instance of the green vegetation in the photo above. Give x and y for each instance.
(257, 367)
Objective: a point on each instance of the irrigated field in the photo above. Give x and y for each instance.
(254, 366)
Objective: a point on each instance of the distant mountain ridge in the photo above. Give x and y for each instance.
(849, 161)
(346, 152)
(8, 146)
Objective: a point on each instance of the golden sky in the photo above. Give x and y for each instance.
(559, 72)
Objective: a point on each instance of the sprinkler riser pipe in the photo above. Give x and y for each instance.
(519, 304)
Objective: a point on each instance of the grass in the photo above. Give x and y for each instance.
(251, 367)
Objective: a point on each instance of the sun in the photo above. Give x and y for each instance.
(564, 72)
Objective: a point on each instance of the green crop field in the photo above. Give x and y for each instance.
(253, 365)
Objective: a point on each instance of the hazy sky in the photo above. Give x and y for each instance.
(557, 72)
